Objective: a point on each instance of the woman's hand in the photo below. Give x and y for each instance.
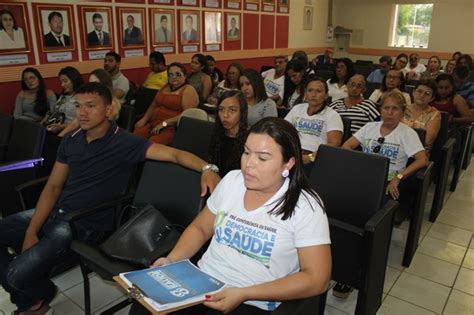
(392, 188)
(54, 128)
(157, 129)
(306, 159)
(140, 123)
(226, 300)
(160, 262)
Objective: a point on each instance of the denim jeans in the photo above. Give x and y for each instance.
(26, 276)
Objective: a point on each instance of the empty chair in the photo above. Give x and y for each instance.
(126, 118)
(195, 113)
(370, 88)
(352, 187)
(143, 100)
(6, 124)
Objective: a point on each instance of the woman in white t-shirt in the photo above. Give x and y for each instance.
(393, 79)
(269, 234)
(316, 122)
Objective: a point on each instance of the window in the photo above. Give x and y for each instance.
(411, 25)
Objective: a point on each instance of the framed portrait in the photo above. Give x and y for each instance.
(56, 27)
(163, 27)
(283, 6)
(232, 4)
(189, 27)
(268, 5)
(132, 27)
(167, 2)
(97, 27)
(308, 18)
(233, 28)
(14, 27)
(213, 27)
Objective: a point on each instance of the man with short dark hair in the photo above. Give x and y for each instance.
(120, 83)
(56, 37)
(189, 34)
(93, 165)
(98, 37)
(162, 33)
(378, 74)
(414, 68)
(274, 80)
(158, 77)
(463, 86)
(326, 59)
(132, 35)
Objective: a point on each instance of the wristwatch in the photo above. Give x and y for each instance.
(164, 124)
(400, 176)
(210, 167)
(311, 157)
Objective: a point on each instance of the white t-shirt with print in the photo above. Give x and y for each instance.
(254, 247)
(403, 142)
(273, 86)
(313, 129)
(335, 91)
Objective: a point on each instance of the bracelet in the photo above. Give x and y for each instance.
(210, 167)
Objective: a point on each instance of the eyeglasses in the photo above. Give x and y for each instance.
(377, 148)
(355, 85)
(175, 75)
(423, 93)
(393, 77)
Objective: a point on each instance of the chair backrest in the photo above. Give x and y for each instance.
(126, 118)
(264, 68)
(6, 124)
(132, 92)
(347, 128)
(195, 113)
(371, 86)
(421, 134)
(143, 100)
(350, 183)
(441, 138)
(172, 189)
(324, 73)
(194, 135)
(26, 140)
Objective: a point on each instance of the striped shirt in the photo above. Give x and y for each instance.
(359, 114)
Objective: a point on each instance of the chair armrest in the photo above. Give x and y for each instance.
(18, 165)
(380, 215)
(85, 212)
(346, 226)
(448, 144)
(422, 173)
(31, 184)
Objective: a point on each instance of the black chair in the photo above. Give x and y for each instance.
(170, 188)
(464, 156)
(352, 187)
(193, 135)
(264, 68)
(441, 154)
(370, 88)
(6, 124)
(126, 118)
(469, 145)
(347, 128)
(324, 73)
(364, 62)
(21, 162)
(132, 93)
(365, 70)
(143, 100)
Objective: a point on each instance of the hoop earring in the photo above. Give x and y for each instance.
(285, 173)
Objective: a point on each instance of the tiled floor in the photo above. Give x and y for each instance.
(440, 279)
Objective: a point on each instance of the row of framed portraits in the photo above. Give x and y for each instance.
(56, 28)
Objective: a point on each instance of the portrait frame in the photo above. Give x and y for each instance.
(252, 5)
(283, 6)
(308, 18)
(233, 4)
(189, 3)
(212, 27)
(132, 40)
(19, 12)
(196, 26)
(228, 18)
(268, 5)
(87, 27)
(161, 2)
(155, 16)
(42, 13)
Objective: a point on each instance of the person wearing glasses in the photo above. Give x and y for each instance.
(414, 69)
(161, 117)
(393, 79)
(393, 139)
(420, 114)
(400, 62)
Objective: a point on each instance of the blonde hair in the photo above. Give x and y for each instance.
(397, 95)
(116, 107)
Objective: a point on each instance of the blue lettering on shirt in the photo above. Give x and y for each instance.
(313, 127)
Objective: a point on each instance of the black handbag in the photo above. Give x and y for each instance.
(147, 236)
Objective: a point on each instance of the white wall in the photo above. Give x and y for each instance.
(316, 37)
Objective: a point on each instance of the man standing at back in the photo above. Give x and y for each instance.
(93, 165)
(120, 83)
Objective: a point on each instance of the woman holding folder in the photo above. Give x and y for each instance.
(269, 233)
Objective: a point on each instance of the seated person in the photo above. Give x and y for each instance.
(159, 121)
(414, 69)
(401, 62)
(421, 115)
(326, 59)
(343, 71)
(433, 70)
(450, 65)
(120, 83)
(34, 100)
(65, 106)
(448, 101)
(199, 77)
(99, 173)
(463, 85)
(272, 200)
(230, 132)
(231, 83)
(315, 122)
(465, 60)
(303, 57)
(259, 104)
(158, 77)
(294, 89)
(383, 138)
(359, 110)
(378, 74)
(274, 80)
(394, 79)
(214, 72)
